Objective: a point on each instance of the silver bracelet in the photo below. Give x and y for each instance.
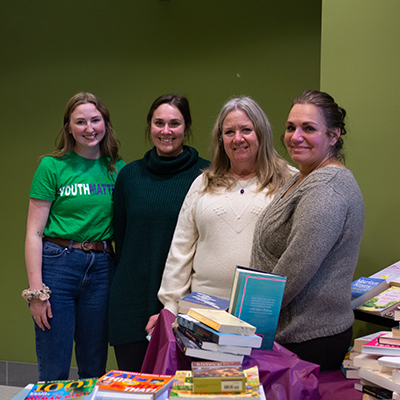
(42, 295)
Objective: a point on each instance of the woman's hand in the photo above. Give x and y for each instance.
(41, 312)
(152, 323)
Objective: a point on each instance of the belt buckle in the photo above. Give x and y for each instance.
(83, 245)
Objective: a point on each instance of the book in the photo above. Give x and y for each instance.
(388, 361)
(389, 273)
(210, 334)
(369, 361)
(218, 377)
(385, 301)
(376, 391)
(364, 288)
(256, 298)
(84, 389)
(133, 385)
(374, 347)
(182, 388)
(350, 373)
(192, 350)
(203, 344)
(389, 339)
(222, 321)
(360, 341)
(202, 300)
(380, 378)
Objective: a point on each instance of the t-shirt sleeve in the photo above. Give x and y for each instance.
(44, 183)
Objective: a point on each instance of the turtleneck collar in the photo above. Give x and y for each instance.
(170, 165)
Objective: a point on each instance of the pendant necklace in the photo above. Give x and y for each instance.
(242, 187)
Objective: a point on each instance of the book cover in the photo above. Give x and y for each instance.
(84, 389)
(374, 347)
(222, 321)
(135, 385)
(256, 298)
(389, 339)
(182, 388)
(389, 273)
(203, 344)
(385, 301)
(360, 341)
(380, 378)
(218, 377)
(202, 300)
(364, 288)
(192, 350)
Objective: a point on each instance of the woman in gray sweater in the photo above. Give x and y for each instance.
(311, 232)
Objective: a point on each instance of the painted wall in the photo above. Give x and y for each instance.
(128, 53)
(360, 58)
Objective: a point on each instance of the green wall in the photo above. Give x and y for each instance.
(128, 53)
(360, 58)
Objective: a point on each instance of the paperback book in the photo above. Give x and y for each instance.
(84, 389)
(380, 378)
(364, 288)
(202, 300)
(385, 301)
(207, 333)
(374, 347)
(256, 297)
(133, 385)
(192, 350)
(182, 388)
(390, 273)
(222, 321)
(218, 377)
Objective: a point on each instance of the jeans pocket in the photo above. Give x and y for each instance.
(52, 250)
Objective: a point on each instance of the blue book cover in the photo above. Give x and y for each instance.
(363, 285)
(203, 300)
(257, 298)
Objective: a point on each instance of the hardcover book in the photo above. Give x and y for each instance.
(84, 389)
(192, 350)
(256, 297)
(209, 334)
(218, 377)
(134, 385)
(202, 300)
(365, 288)
(385, 301)
(182, 388)
(222, 321)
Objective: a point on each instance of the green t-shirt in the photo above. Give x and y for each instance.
(81, 191)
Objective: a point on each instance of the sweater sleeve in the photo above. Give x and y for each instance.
(119, 220)
(177, 275)
(318, 222)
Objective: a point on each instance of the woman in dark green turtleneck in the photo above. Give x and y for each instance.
(148, 196)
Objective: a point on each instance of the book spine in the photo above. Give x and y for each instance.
(191, 336)
(379, 393)
(206, 334)
(179, 341)
(205, 320)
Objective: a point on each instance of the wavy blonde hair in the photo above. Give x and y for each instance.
(272, 171)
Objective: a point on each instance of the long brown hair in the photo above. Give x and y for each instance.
(65, 142)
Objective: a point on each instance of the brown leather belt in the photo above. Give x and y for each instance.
(86, 246)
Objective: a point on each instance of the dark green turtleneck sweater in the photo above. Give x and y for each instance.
(148, 196)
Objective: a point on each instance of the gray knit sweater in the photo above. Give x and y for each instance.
(313, 235)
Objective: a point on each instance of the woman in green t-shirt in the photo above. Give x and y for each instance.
(68, 251)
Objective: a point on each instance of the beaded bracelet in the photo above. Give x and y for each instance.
(41, 295)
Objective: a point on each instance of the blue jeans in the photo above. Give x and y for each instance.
(80, 283)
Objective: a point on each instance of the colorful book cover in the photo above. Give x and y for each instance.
(374, 347)
(218, 377)
(385, 301)
(202, 300)
(364, 288)
(389, 273)
(212, 335)
(125, 382)
(256, 298)
(182, 388)
(83, 389)
(222, 321)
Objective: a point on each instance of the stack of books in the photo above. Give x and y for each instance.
(217, 380)
(215, 335)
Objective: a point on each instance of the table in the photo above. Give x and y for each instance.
(375, 319)
(283, 374)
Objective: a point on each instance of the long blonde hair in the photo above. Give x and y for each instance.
(65, 142)
(271, 170)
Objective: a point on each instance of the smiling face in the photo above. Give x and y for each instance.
(307, 138)
(167, 130)
(240, 141)
(87, 127)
